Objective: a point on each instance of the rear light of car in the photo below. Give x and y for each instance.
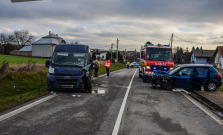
(219, 76)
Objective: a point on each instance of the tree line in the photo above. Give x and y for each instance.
(16, 40)
(180, 53)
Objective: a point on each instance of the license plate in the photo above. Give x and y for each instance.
(67, 86)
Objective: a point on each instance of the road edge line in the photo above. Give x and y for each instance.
(208, 112)
(102, 75)
(24, 108)
(121, 111)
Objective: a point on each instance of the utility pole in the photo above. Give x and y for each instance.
(171, 40)
(117, 51)
(125, 55)
(111, 49)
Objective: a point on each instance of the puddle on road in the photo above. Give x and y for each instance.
(104, 81)
(100, 91)
(76, 95)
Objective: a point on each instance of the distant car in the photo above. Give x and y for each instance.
(189, 77)
(134, 64)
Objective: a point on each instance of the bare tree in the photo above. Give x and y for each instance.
(3, 39)
(23, 37)
(3, 42)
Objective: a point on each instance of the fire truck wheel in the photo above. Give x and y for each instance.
(140, 76)
(144, 78)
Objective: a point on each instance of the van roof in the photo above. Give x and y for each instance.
(72, 48)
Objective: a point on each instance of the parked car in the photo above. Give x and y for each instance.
(70, 68)
(134, 64)
(189, 77)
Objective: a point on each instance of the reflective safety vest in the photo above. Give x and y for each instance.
(107, 63)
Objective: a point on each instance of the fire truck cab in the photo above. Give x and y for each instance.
(154, 57)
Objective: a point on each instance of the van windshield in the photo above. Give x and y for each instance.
(70, 59)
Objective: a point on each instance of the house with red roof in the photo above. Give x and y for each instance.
(218, 56)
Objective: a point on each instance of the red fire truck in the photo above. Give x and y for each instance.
(154, 57)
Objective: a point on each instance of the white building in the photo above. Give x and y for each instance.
(202, 57)
(218, 57)
(45, 46)
(99, 53)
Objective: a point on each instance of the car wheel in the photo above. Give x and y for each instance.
(211, 86)
(167, 85)
(154, 84)
(87, 85)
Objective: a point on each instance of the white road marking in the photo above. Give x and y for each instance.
(119, 118)
(19, 110)
(181, 90)
(208, 112)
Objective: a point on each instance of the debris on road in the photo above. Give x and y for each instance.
(100, 91)
(53, 93)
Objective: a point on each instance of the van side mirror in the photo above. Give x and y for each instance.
(47, 63)
(92, 63)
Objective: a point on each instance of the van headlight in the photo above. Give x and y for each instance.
(51, 70)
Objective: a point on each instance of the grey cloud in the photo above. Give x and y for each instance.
(88, 10)
(132, 21)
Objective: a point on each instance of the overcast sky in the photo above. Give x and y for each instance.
(100, 22)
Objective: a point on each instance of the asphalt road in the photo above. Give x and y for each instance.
(147, 111)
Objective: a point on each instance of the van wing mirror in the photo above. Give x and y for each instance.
(92, 63)
(47, 63)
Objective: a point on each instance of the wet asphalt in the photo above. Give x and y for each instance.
(148, 111)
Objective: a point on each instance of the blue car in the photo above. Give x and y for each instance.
(134, 64)
(189, 77)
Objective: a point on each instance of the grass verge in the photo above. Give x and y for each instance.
(13, 60)
(102, 69)
(220, 88)
(17, 87)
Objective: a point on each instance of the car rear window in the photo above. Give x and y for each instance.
(201, 71)
(213, 70)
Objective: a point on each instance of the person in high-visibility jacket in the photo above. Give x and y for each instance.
(107, 66)
(127, 64)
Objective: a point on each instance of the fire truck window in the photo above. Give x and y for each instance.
(159, 54)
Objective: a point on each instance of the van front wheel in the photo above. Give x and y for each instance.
(87, 85)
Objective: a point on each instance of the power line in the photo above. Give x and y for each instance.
(191, 41)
